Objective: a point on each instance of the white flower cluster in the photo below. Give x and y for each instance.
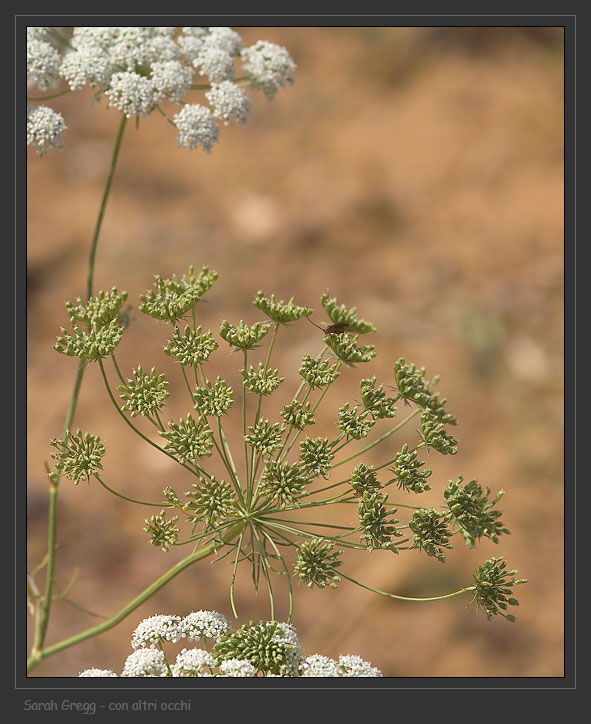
(347, 666)
(151, 631)
(287, 635)
(269, 67)
(190, 662)
(145, 662)
(137, 68)
(45, 129)
(149, 661)
(196, 126)
(204, 625)
(229, 102)
(237, 667)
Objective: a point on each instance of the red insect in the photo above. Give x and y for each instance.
(337, 328)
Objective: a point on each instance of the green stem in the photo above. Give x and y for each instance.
(134, 603)
(41, 629)
(246, 478)
(99, 220)
(130, 500)
(141, 434)
(407, 598)
(48, 98)
(387, 434)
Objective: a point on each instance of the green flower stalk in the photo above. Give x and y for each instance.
(317, 563)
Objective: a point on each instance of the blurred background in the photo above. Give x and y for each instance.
(417, 174)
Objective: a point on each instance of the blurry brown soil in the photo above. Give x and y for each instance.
(418, 175)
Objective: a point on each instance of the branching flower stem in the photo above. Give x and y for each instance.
(131, 500)
(40, 654)
(378, 440)
(141, 434)
(41, 628)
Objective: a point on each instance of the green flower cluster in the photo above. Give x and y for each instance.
(90, 346)
(99, 310)
(213, 400)
(263, 381)
(412, 386)
(431, 533)
(317, 563)
(163, 533)
(145, 393)
(473, 512)
(352, 424)
(375, 524)
(363, 479)
(79, 457)
(434, 435)
(283, 482)
(191, 347)
(188, 439)
(318, 373)
(210, 501)
(243, 336)
(269, 646)
(346, 349)
(339, 314)
(265, 437)
(298, 415)
(173, 298)
(375, 400)
(280, 312)
(316, 456)
(492, 585)
(407, 474)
